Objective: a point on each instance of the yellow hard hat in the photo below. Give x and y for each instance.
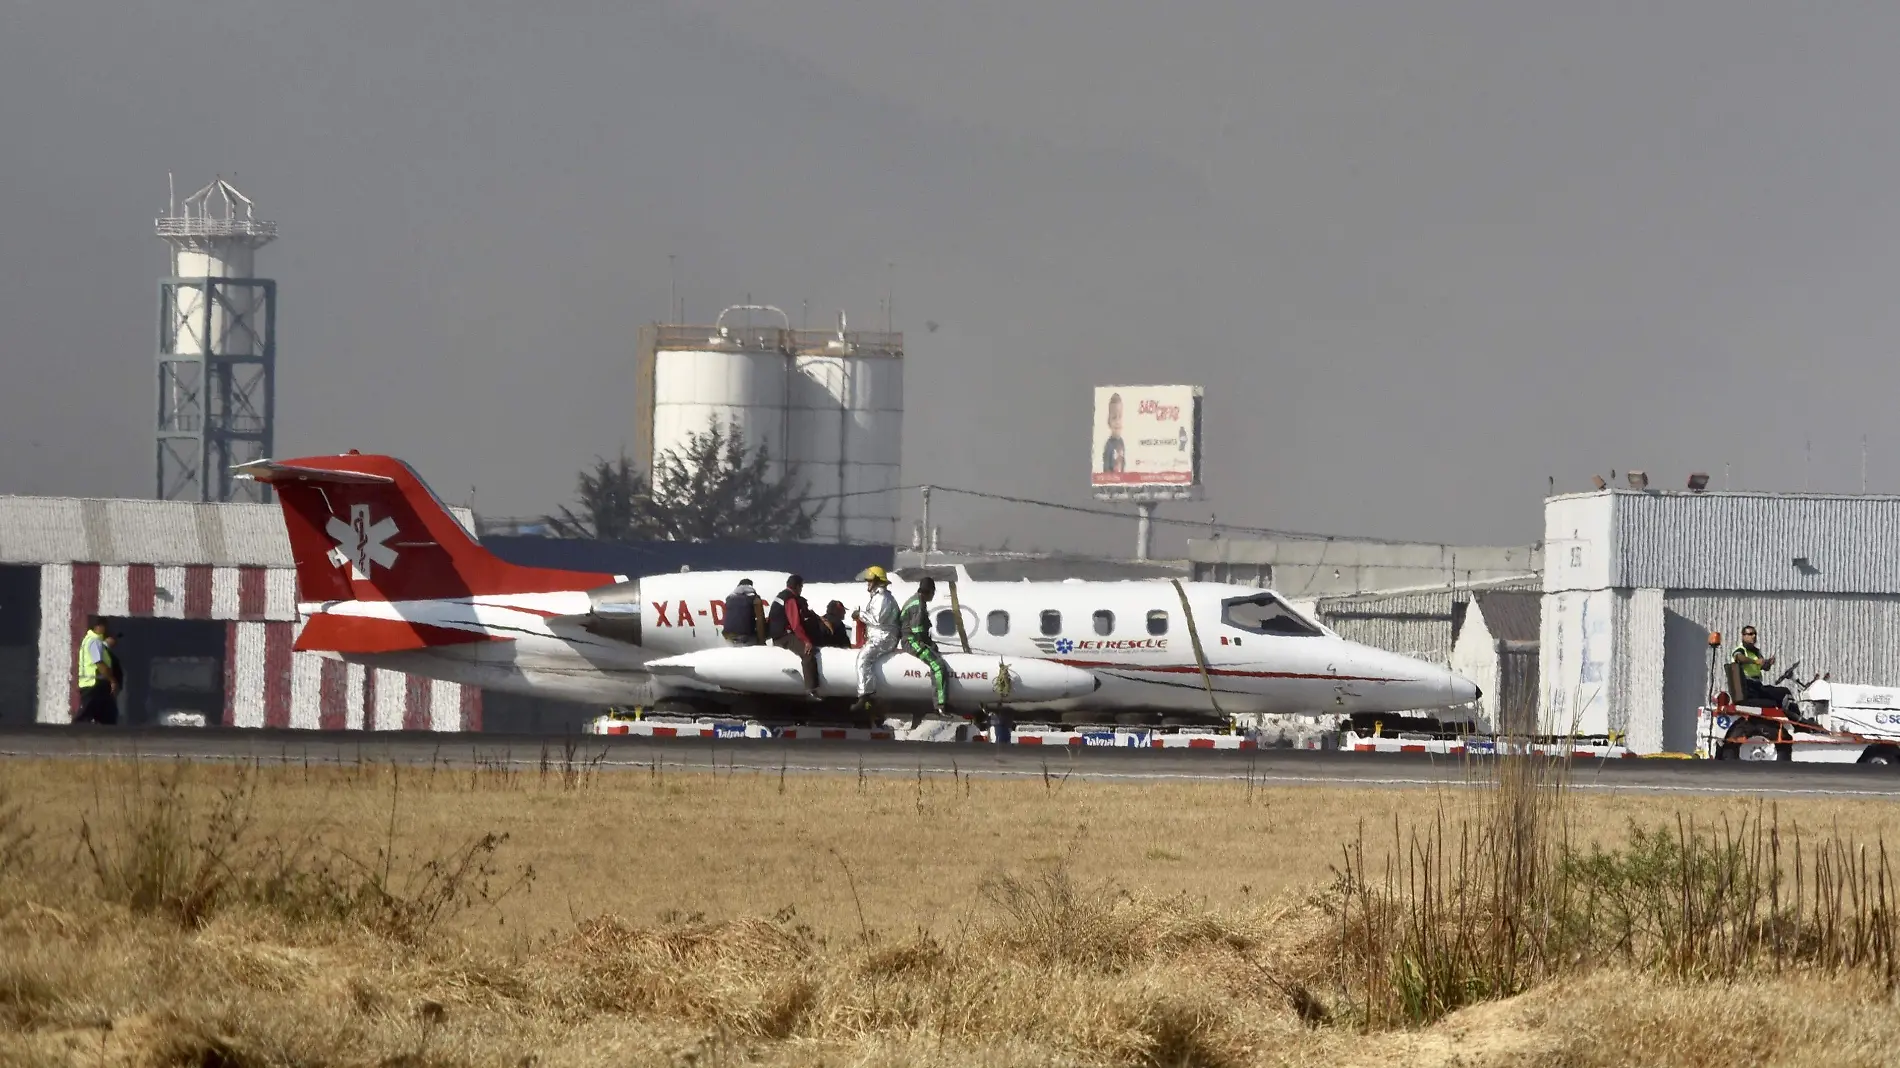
(874, 573)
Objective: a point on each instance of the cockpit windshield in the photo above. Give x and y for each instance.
(1264, 613)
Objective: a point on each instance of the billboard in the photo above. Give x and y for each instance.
(1146, 436)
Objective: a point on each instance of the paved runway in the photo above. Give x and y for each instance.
(1266, 767)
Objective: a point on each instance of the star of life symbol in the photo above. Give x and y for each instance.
(361, 543)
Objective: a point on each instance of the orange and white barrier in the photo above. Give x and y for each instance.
(1124, 738)
(1367, 743)
(730, 728)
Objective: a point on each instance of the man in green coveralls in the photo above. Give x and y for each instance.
(914, 626)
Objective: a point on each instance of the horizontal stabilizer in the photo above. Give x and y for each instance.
(275, 471)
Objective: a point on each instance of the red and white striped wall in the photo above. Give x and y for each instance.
(266, 683)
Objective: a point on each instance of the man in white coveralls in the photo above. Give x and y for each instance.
(879, 616)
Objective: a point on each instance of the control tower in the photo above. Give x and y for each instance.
(217, 348)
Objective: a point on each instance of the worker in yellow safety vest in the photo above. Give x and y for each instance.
(1754, 692)
(98, 684)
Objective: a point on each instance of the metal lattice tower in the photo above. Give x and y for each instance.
(217, 349)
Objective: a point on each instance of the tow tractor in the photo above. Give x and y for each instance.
(1829, 723)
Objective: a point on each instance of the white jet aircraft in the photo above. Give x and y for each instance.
(387, 577)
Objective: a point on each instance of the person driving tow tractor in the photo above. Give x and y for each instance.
(1754, 691)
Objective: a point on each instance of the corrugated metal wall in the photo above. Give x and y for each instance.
(1856, 638)
(1576, 652)
(1749, 542)
(1415, 624)
(1517, 689)
(1636, 661)
(1636, 697)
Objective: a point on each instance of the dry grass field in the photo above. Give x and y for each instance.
(153, 914)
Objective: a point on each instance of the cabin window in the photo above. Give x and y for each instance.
(1263, 613)
(998, 623)
(1104, 622)
(1157, 622)
(1051, 622)
(946, 623)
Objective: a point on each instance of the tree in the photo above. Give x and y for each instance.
(714, 488)
(711, 488)
(614, 503)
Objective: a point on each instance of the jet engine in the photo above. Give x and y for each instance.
(614, 612)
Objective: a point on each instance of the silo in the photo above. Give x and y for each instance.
(731, 375)
(829, 402)
(814, 422)
(845, 429)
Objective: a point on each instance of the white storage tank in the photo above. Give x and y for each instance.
(213, 236)
(731, 375)
(828, 403)
(874, 447)
(846, 436)
(815, 434)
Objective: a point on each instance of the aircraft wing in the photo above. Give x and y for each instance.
(972, 679)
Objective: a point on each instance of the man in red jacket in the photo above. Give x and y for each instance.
(789, 627)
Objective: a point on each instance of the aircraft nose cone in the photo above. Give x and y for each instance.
(1463, 690)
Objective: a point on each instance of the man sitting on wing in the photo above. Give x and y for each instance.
(914, 624)
(879, 616)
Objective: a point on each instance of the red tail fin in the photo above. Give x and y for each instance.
(366, 528)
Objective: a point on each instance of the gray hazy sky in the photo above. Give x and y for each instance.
(1421, 255)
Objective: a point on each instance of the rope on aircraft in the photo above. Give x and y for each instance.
(956, 609)
(1200, 655)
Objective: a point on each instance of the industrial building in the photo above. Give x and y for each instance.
(205, 596)
(1638, 581)
(827, 403)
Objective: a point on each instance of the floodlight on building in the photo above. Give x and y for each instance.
(1698, 482)
(1639, 480)
(1597, 481)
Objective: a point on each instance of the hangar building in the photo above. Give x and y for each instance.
(1637, 581)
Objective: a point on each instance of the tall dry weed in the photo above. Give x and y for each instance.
(161, 851)
(164, 847)
(16, 834)
(1486, 904)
